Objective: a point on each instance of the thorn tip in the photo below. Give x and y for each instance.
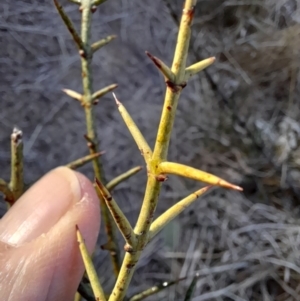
(115, 97)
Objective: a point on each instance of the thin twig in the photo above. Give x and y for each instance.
(82, 161)
(69, 26)
(111, 244)
(155, 289)
(16, 184)
(174, 211)
(123, 177)
(99, 44)
(86, 60)
(98, 94)
(91, 272)
(119, 217)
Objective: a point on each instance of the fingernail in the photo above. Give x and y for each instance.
(41, 206)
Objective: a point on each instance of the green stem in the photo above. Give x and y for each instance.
(155, 289)
(7, 193)
(16, 184)
(174, 88)
(86, 59)
(98, 94)
(89, 267)
(174, 211)
(123, 177)
(131, 259)
(99, 44)
(82, 161)
(160, 154)
(119, 217)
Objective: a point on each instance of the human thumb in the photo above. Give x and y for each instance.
(39, 253)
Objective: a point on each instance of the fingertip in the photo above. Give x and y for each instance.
(42, 228)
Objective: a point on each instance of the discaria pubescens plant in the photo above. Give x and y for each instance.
(157, 165)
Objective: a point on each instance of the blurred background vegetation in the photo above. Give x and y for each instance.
(239, 119)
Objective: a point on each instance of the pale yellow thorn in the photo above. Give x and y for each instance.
(73, 94)
(196, 68)
(98, 94)
(193, 173)
(135, 132)
(90, 269)
(99, 44)
(174, 211)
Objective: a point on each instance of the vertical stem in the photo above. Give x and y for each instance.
(159, 155)
(86, 59)
(141, 230)
(174, 89)
(16, 184)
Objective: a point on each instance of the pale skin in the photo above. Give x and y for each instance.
(39, 254)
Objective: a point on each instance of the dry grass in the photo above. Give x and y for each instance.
(245, 247)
